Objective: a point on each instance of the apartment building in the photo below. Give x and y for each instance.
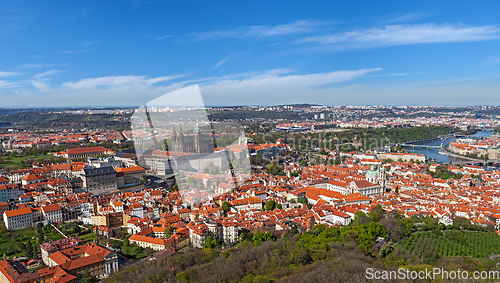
(18, 218)
(52, 213)
(131, 175)
(148, 242)
(246, 203)
(99, 180)
(84, 152)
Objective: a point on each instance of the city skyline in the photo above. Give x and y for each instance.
(356, 53)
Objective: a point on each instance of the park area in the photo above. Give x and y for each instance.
(25, 242)
(12, 162)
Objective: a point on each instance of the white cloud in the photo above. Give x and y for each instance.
(72, 51)
(404, 18)
(39, 82)
(297, 27)
(220, 63)
(40, 86)
(88, 43)
(492, 61)
(391, 35)
(117, 81)
(258, 88)
(46, 73)
(7, 84)
(8, 74)
(275, 79)
(272, 87)
(36, 66)
(82, 14)
(158, 38)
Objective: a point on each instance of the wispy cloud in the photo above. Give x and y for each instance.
(297, 27)
(41, 86)
(8, 74)
(40, 83)
(220, 63)
(46, 73)
(116, 81)
(80, 15)
(277, 79)
(87, 44)
(492, 61)
(159, 38)
(7, 84)
(13, 19)
(391, 35)
(36, 66)
(73, 51)
(396, 19)
(266, 87)
(249, 87)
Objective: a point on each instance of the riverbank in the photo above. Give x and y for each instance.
(446, 157)
(444, 150)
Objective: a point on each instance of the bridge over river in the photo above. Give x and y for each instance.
(421, 146)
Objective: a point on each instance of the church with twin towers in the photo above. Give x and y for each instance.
(197, 142)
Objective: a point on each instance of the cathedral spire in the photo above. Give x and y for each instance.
(196, 128)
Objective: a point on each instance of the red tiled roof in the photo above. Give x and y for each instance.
(50, 208)
(81, 150)
(145, 239)
(16, 212)
(31, 177)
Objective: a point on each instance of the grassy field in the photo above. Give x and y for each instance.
(437, 244)
(18, 161)
(72, 230)
(8, 240)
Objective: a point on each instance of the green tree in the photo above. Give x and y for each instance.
(210, 243)
(445, 176)
(376, 214)
(360, 218)
(144, 179)
(29, 249)
(270, 205)
(259, 237)
(182, 277)
(88, 278)
(226, 206)
(35, 252)
(167, 232)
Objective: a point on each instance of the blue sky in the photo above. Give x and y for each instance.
(107, 53)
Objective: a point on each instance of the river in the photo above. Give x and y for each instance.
(433, 153)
